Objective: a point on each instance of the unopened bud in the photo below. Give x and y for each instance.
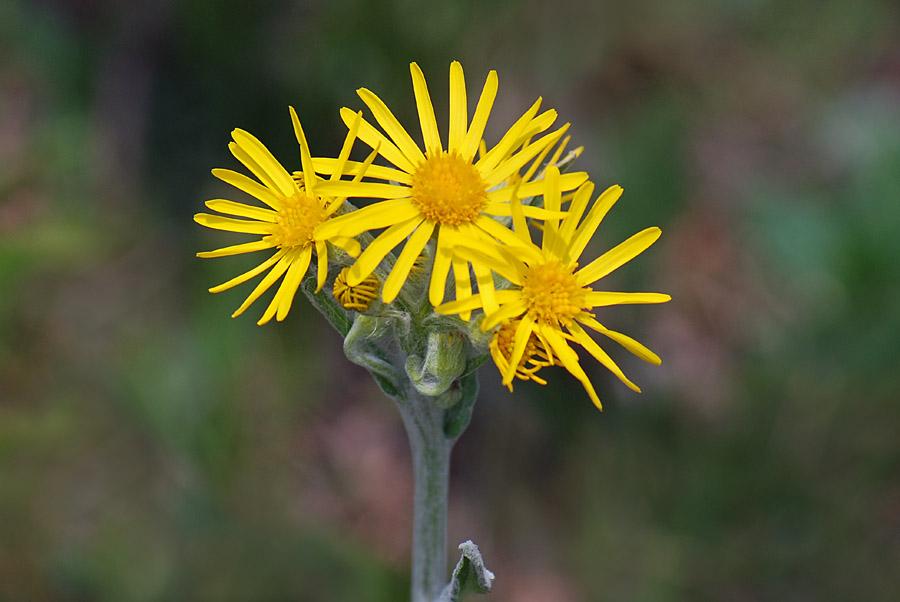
(444, 363)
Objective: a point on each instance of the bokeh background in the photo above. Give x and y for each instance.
(151, 448)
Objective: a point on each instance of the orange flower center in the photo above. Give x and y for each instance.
(552, 294)
(448, 190)
(297, 220)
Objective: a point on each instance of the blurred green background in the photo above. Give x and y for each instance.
(151, 448)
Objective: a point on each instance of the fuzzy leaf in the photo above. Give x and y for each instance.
(362, 347)
(458, 415)
(325, 303)
(469, 576)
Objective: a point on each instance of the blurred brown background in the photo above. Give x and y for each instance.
(151, 448)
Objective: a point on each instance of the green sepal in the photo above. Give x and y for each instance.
(469, 576)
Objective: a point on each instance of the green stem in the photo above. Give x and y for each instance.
(430, 447)
(433, 422)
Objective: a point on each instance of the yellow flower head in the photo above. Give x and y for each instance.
(441, 191)
(359, 297)
(551, 298)
(536, 355)
(295, 207)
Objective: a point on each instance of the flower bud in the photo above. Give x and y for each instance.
(445, 361)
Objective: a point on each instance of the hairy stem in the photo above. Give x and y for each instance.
(430, 447)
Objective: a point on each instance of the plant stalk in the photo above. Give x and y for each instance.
(430, 447)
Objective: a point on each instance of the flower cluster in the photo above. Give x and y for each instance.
(438, 208)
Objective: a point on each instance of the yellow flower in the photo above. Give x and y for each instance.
(441, 191)
(358, 298)
(551, 298)
(294, 208)
(536, 355)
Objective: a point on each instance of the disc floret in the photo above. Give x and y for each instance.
(552, 294)
(448, 189)
(297, 220)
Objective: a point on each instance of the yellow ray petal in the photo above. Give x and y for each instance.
(585, 340)
(241, 210)
(576, 210)
(493, 262)
(508, 295)
(377, 215)
(504, 297)
(569, 360)
(500, 232)
(244, 157)
(247, 247)
(251, 187)
(559, 150)
(617, 256)
(463, 283)
(375, 139)
(331, 167)
(408, 256)
(229, 224)
(523, 333)
(605, 299)
(459, 306)
(507, 311)
(288, 289)
(524, 139)
(378, 248)
(257, 150)
(499, 361)
(250, 273)
(458, 108)
(437, 287)
(624, 340)
(485, 287)
(567, 181)
(269, 313)
(336, 203)
(427, 120)
(372, 190)
(284, 296)
(506, 210)
(537, 162)
(479, 120)
(274, 274)
(349, 245)
(514, 257)
(349, 139)
(537, 125)
(528, 250)
(489, 161)
(391, 126)
(552, 201)
(321, 264)
(309, 174)
(513, 163)
(585, 231)
(520, 226)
